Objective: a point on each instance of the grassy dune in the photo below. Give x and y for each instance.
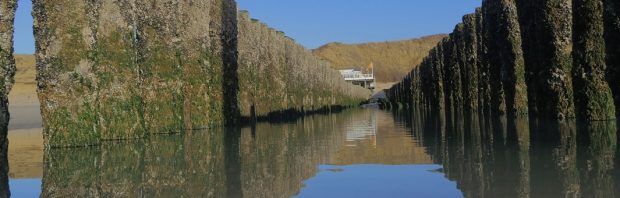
(26, 70)
(24, 90)
(392, 60)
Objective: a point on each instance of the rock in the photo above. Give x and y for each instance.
(593, 96)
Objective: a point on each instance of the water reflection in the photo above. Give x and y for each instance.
(516, 158)
(335, 154)
(265, 160)
(596, 152)
(4, 161)
(167, 166)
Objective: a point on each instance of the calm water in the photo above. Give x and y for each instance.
(355, 153)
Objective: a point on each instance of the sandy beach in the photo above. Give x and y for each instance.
(25, 132)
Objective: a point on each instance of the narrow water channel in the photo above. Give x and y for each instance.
(354, 153)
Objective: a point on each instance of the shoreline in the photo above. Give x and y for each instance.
(25, 132)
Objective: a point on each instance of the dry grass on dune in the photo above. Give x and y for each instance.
(26, 70)
(24, 90)
(392, 60)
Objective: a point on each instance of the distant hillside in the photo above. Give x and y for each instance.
(26, 69)
(25, 88)
(392, 60)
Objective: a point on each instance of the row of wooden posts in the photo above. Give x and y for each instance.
(552, 59)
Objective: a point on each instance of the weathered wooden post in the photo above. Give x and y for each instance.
(66, 72)
(448, 71)
(547, 27)
(512, 65)
(439, 102)
(7, 69)
(492, 13)
(469, 60)
(593, 96)
(484, 86)
(458, 70)
(612, 42)
(7, 61)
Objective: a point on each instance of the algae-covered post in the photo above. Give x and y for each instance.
(492, 13)
(612, 42)
(551, 59)
(512, 64)
(7, 61)
(127, 69)
(437, 67)
(7, 72)
(276, 74)
(593, 96)
(457, 67)
(113, 69)
(448, 64)
(548, 46)
(66, 72)
(107, 74)
(427, 83)
(528, 13)
(469, 60)
(484, 86)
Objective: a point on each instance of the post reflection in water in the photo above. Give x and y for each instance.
(4, 161)
(263, 160)
(482, 156)
(598, 151)
(266, 160)
(516, 158)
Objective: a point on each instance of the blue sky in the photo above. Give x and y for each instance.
(373, 180)
(316, 22)
(24, 40)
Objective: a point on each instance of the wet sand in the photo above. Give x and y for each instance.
(25, 142)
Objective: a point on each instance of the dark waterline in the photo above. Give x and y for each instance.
(355, 153)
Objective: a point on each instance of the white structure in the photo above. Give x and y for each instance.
(357, 77)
